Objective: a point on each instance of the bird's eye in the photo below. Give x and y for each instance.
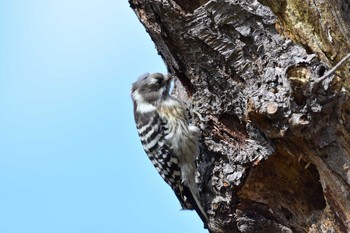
(159, 81)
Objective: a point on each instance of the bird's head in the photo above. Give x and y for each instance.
(151, 88)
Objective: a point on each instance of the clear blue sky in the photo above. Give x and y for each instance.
(70, 157)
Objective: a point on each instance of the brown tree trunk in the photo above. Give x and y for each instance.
(275, 135)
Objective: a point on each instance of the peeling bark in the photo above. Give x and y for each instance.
(275, 137)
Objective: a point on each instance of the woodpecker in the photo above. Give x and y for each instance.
(168, 139)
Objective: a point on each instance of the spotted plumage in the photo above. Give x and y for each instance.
(167, 138)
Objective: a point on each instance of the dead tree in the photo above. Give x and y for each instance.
(275, 125)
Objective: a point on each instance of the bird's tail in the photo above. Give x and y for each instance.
(196, 205)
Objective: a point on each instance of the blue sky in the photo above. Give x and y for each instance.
(70, 157)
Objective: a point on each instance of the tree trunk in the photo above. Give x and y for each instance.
(275, 131)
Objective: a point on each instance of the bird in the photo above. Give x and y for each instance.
(169, 140)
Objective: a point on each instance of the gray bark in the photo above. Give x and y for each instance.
(275, 135)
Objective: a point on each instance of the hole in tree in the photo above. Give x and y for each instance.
(321, 70)
(291, 191)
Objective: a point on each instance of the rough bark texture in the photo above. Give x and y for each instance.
(275, 137)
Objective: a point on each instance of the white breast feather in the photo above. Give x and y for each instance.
(169, 102)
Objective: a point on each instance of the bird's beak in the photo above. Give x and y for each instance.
(168, 77)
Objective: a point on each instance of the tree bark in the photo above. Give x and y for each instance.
(275, 153)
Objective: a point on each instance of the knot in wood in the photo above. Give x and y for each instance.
(272, 108)
(298, 123)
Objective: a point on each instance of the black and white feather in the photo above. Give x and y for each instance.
(170, 142)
